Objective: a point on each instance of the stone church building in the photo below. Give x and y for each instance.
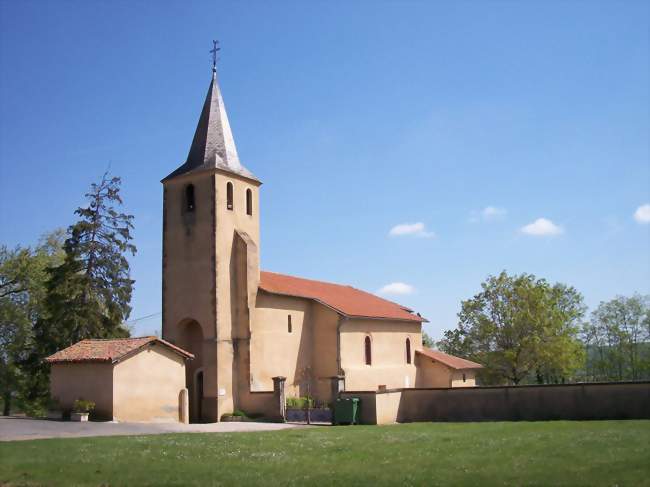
(246, 326)
(236, 335)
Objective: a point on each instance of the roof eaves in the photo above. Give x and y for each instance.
(416, 319)
(76, 360)
(185, 170)
(448, 365)
(155, 340)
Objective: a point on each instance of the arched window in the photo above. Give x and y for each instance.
(408, 350)
(189, 198)
(249, 202)
(368, 348)
(229, 196)
(289, 324)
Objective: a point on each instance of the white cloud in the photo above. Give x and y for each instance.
(415, 229)
(397, 288)
(642, 214)
(542, 227)
(489, 213)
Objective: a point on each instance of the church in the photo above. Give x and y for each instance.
(241, 331)
(246, 326)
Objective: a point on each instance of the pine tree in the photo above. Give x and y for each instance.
(88, 295)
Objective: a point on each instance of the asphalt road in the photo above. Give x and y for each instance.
(13, 428)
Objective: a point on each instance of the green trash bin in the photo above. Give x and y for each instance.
(347, 410)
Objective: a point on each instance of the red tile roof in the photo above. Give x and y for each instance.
(110, 350)
(344, 299)
(449, 360)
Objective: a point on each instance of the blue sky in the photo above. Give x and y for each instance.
(499, 135)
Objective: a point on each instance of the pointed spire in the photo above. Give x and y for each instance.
(213, 145)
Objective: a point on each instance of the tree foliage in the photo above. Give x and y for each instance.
(618, 339)
(23, 274)
(427, 341)
(521, 329)
(88, 295)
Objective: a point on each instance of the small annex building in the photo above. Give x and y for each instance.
(439, 369)
(128, 379)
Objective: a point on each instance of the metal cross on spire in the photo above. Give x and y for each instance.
(214, 52)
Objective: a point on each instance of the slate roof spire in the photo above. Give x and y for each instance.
(213, 145)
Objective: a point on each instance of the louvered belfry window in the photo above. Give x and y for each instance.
(189, 198)
(229, 196)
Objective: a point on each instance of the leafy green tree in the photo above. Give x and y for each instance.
(520, 328)
(427, 341)
(618, 339)
(88, 295)
(23, 273)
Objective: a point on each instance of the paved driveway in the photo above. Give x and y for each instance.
(18, 428)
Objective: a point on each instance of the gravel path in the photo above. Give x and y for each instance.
(20, 428)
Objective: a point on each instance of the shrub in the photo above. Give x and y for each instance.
(83, 406)
(237, 412)
(300, 402)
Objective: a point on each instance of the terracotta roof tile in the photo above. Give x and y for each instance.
(110, 350)
(449, 360)
(344, 299)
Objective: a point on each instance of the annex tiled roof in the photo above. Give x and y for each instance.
(110, 350)
(344, 299)
(449, 360)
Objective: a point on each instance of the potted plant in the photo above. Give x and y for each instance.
(54, 410)
(81, 410)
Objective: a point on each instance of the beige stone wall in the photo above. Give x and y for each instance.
(389, 365)
(528, 403)
(508, 403)
(305, 356)
(147, 386)
(263, 403)
(325, 356)
(275, 351)
(458, 375)
(431, 373)
(388, 407)
(86, 380)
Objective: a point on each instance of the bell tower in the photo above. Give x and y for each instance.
(210, 264)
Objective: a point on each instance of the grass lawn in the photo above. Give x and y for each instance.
(544, 453)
